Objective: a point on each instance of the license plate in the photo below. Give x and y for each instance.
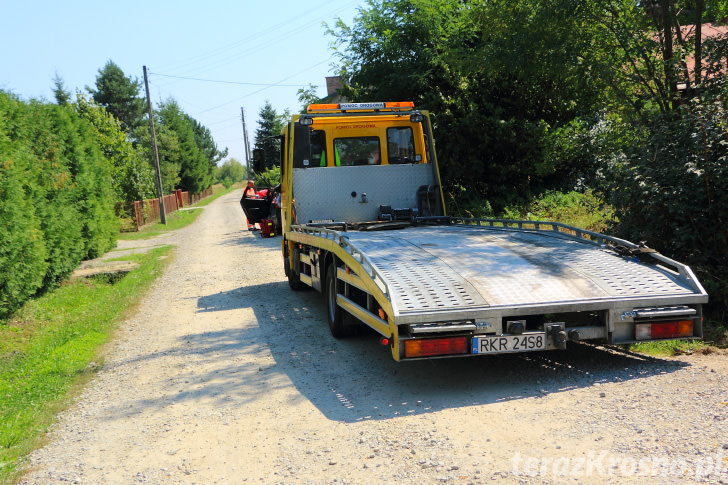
(509, 343)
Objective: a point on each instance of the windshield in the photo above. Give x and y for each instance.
(361, 150)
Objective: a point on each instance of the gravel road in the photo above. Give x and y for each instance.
(226, 376)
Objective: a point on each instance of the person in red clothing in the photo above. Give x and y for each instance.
(249, 193)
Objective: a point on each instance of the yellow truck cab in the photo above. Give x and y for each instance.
(364, 222)
(388, 139)
(372, 147)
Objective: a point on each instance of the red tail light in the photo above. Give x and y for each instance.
(663, 330)
(436, 346)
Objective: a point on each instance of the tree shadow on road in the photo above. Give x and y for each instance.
(356, 379)
(286, 340)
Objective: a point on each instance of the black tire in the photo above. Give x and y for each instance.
(334, 313)
(294, 281)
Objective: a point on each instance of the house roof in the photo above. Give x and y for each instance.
(708, 31)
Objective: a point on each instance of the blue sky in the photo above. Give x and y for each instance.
(270, 47)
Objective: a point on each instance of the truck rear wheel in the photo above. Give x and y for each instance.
(334, 313)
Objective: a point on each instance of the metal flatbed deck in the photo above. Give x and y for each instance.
(465, 268)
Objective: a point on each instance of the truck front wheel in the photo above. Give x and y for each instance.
(293, 279)
(334, 313)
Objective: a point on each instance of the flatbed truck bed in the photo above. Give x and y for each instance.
(480, 277)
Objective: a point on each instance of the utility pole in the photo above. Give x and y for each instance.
(247, 146)
(162, 212)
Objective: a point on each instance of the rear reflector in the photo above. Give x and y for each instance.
(436, 346)
(661, 330)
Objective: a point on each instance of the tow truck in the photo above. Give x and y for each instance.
(364, 222)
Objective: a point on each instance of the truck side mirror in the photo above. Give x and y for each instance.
(258, 160)
(301, 145)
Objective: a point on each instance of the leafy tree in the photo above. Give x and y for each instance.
(270, 125)
(208, 147)
(168, 149)
(132, 176)
(499, 76)
(669, 188)
(395, 50)
(643, 55)
(231, 170)
(307, 96)
(119, 95)
(194, 166)
(715, 11)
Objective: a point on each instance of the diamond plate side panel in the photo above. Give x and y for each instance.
(324, 193)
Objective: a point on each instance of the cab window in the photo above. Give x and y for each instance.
(401, 145)
(318, 148)
(361, 150)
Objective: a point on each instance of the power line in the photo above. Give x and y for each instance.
(268, 31)
(223, 55)
(227, 82)
(263, 88)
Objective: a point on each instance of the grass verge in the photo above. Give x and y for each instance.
(52, 345)
(668, 348)
(217, 191)
(176, 220)
(715, 336)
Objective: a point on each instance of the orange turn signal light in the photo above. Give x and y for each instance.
(400, 104)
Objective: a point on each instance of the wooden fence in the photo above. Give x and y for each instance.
(142, 212)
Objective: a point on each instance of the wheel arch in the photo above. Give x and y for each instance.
(326, 261)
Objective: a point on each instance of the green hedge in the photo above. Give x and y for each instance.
(56, 198)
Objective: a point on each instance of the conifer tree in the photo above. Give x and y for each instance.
(119, 95)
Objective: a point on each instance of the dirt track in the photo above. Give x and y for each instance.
(227, 376)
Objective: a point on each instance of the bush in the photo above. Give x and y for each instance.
(23, 253)
(583, 210)
(56, 201)
(671, 190)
